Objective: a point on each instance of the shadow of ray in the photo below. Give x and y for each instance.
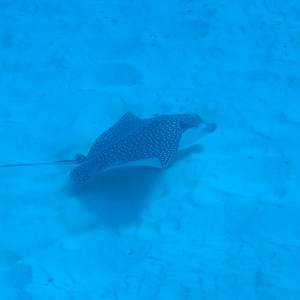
(117, 197)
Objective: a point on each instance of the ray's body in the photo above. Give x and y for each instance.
(135, 141)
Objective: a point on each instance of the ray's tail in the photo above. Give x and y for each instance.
(64, 161)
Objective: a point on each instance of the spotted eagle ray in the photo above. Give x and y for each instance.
(134, 141)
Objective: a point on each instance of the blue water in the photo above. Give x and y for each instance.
(222, 222)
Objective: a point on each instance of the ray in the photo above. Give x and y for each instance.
(134, 141)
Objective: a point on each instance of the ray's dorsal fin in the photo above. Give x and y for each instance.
(168, 155)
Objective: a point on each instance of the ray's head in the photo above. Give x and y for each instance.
(188, 121)
(194, 129)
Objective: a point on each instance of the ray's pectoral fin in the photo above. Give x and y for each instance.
(167, 154)
(124, 126)
(83, 173)
(80, 174)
